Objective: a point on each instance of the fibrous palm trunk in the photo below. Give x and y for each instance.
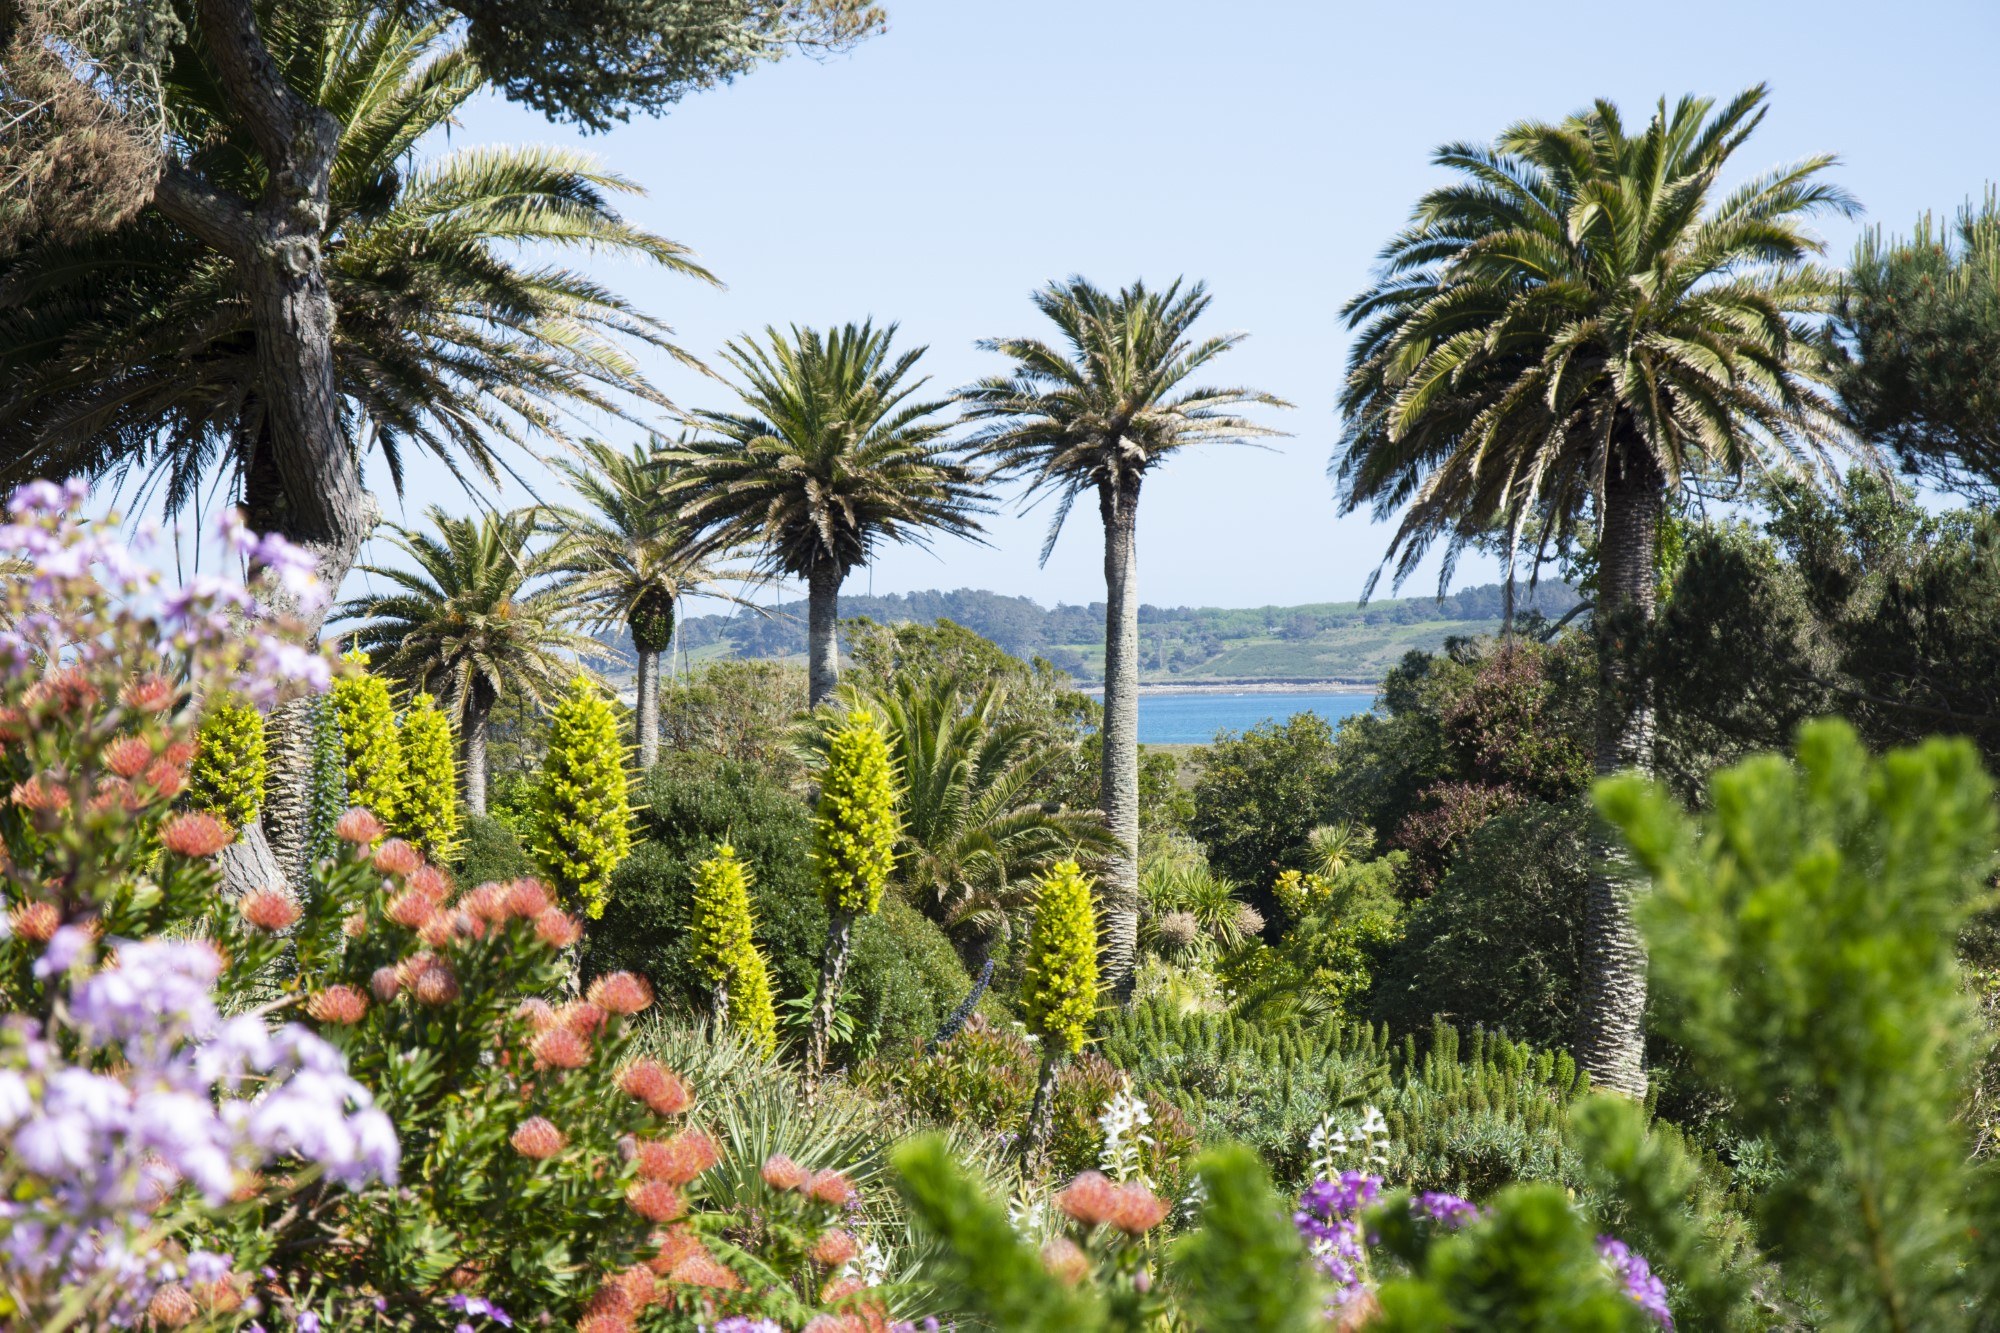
(1118, 887)
(478, 722)
(1611, 1034)
(652, 626)
(822, 642)
(832, 971)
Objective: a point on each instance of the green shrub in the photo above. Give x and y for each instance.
(226, 777)
(489, 852)
(372, 753)
(723, 952)
(1059, 990)
(583, 810)
(854, 829)
(428, 814)
(902, 979)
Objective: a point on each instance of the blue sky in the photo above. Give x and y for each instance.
(939, 173)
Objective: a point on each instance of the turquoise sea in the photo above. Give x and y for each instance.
(1184, 719)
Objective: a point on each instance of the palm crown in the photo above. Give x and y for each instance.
(1112, 399)
(832, 454)
(442, 339)
(1581, 301)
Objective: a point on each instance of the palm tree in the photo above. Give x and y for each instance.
(463, 625)
(1098, 413)
(973, 832)
(628, 560)
(1565, 335)
(829, 457)
(135, 352)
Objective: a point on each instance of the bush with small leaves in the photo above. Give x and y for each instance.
(725, 953)
(1059, 987)
(854, 849)
(226, 777)
(583, 807)
(371, 751)
(428, 815)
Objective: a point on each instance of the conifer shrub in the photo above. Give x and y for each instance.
(371, 749)
(226, 776)
(583, 810)
(723, 951)
(428, 815)
(854, 849)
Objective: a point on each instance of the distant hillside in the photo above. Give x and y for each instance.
(1327, 641)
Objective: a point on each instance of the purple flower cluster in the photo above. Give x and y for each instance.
(91, 1156)
(741, 1323)
(1329, 1217)
(1637, 1277)
(477, 1307)
(1446, 1210)
(79, 570)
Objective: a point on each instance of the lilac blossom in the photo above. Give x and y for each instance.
(100, 1152)
(1637, 1278)
(1329, 1218)
(477, 1307)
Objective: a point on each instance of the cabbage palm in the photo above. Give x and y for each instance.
(1097, 412)
(463, 624)
(1566, 334)
(830, 455)
(135, 353)
(974, 834)
(627, 560)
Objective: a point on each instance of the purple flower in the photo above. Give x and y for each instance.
(479, 1305)
(1638, 1278)
(308, 1322)
(1447, 1210)
(1329, 1218)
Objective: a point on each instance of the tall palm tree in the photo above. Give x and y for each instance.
(973, 832)
(1561, 337)
(1098, 412)
(831, 455)
(463, 624)
(627, 560)
(135, 352)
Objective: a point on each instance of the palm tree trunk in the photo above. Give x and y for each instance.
(478, 714)
(832, 971)
(1118, 887)
(1042, 1114)
(720, 998)
(648, 713)
(822, 644)
(1611, 1032)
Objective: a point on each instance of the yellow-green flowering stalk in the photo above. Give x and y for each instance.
(854, 849)
(373, 752)
(428, 812)
(1059, 985)
(226, 778)
(583, 808)
(725, 954)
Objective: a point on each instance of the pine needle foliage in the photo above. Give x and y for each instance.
(854, 842)
(428, 815)
(1059, 989)
(227, 775)
(371, 750)
(583, 809)
(724, 951)
(1804, 944)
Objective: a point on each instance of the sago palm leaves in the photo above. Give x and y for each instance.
(463, 624)
(831, 455)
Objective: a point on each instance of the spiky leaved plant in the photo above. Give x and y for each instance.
(371, 751)
(720, 930)
(428, 815)
(583, 808)
(326, 787)
(854, 848)
(1059, 989)
(227, 776)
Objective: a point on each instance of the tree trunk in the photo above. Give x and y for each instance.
(1042, 1113)
(478, 712)
(720, 997)
(1611, 1034)
(1118, 888)
(822, 644)
(832, 970)
(652, 626)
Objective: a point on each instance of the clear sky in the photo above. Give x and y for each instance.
(940, 172)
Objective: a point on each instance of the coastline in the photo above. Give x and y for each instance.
(1256, 686)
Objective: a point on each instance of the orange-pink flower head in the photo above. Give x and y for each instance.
(147, 694)
(196, 833)
(410, 910)
(269, 909)
(428, 880)
(165, 777)
(172, 1307)
(1088, 1199)
(560, 1048)
(358, 826)
(488, 902)
(1135, 1210)
(339, 1005)
(537, 1138)
(656, 1200)
(557, 928)
(782, 1173)
(679, 1159)
(830, 1188)
(437, 932)
(582, 1017)
(834, 1248)
(35, 922)
(385, 983)
(1065, 1261)
(355, 926)
(620, 993)
(676, 1244)
(527, 898)
(435, 986)
(701, 1270)
(128, 756)
(397, 857)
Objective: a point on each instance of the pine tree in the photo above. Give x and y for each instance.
(854, 849)
(583, 810)
(372, 753)
(720, 930)
(1059, 987)
(226, 777)
(428, 814)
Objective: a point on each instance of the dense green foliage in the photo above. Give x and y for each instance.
(226, 776)
(428, 812)
(723, 952)
(489, 852)
(583, 812)
(372, 749)
(1059, 986)
(855, 825)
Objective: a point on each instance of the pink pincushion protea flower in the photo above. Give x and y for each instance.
(782, 1173)
(620, 993)
(834, 1248)
(1089, 1199)
(679, 1159)
(358, 826)
(430, 881)
(35, 922)
(656, 1200)
(541, 1015)
(527, 898)
(582, 1017)
(385, 984)
(435, 986)
(1065, 1261)
(340, 1005)
(1135, 1210)
(676, 1244)
(396, 857)
(410, 910)
(34, 794)
(556, 928)
(172, 1307)
(128, 756)
(196, 834)
(538, 1139)
(148, 694)
(560, 1048)
(654, 1084)
(268, 909)
(701, 1270)
(830, 1188)
(604, 1323)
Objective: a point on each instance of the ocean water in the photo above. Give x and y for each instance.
(1193, 719)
